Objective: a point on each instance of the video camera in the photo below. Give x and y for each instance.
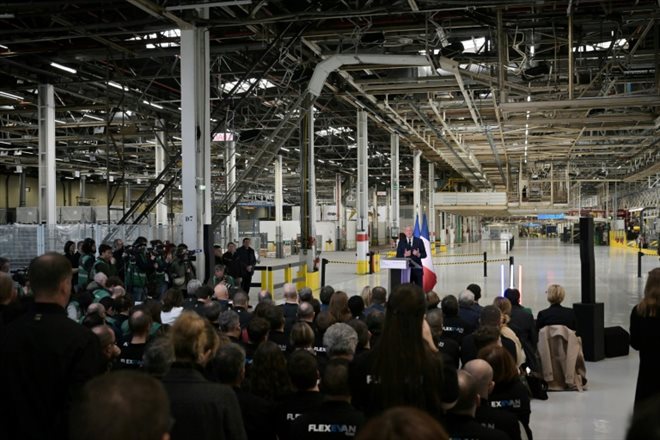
(19, 276)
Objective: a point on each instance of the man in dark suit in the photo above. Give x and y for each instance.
(247, 260)
(522, 323)
(413, 248)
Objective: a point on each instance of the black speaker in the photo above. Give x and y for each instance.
(617, 342)
(209, 255)
(590, 327)
(588, 265)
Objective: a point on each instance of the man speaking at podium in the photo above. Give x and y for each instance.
(413, 248)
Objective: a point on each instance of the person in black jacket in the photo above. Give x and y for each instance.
(45, 357)
(644, 336)
(556, 314)
(461, 421)
(522, 324)
(201, 409)
(451, 351)
(487, 334)
(335, 418)
(413, 248)
(247, 260)
(453, 325)
(230, 260)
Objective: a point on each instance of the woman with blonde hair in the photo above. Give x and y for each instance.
(366, 296)
(644, 337)
(202, 409)
(556, 314)
(504, 305)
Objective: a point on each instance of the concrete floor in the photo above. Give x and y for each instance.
(603, 411)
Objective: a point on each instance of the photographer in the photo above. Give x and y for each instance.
(138, 267)
(181, 269)
(161, 263)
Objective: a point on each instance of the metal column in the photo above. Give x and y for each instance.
(362, 227)
(159, 152)
(22, 188)
(230, 172)
(47, 184)
(340, 214)
(417, 184)
(374, 217)
(394, 185)
(431, 217)
(307, 190)
(195, 144)
(83, 189)
(279, 201)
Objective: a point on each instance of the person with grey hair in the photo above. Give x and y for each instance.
(467, 312)
(264, 296)
(158, 356)
(230, 325)
(100, 290)
(192, 287)
(306, 314)
(340, 341)
(290, 306)
(449, 348)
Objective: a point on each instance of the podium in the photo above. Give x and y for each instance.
(399, 271)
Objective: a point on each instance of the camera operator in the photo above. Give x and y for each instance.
(181, 269)
(137, 270)
(161, 263)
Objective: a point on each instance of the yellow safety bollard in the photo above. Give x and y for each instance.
(288, 274)
(302, 273)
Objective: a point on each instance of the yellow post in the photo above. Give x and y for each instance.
(288, 274)
(267, 280)
(312, 279)
(302, 273)
(264, 280)
(376, 263)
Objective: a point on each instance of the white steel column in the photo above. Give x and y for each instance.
(374, 228)
(362, 227)
(394, 185)
(230, 173)
(339, 210)
(308, 189)
(195, 144)
(159, 152)
(431, 215)
(417, 184)
(279, 201)
(82, 195)
(47, 185)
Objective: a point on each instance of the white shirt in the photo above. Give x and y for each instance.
(170, 317)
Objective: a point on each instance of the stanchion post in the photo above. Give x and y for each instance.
(485, 264)
(371, 261)
(507, 246)
(511, 260)
(640, 254)
(324, 261)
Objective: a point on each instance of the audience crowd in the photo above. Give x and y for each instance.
(122, 345)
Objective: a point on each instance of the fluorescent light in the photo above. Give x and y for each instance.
(285, 149)
(11, 96)
(9, 143)
(60, 122)
(65, 68)
(117, 86)
(160, 107)
(320, 160)
(3, 47)
(96, 118)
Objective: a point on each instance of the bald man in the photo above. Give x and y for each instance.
(221, 296)
(413, 248)
(461, 422)
(495, 418)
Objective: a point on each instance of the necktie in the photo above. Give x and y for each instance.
(410, 242)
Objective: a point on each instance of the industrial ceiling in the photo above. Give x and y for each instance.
(553, 92)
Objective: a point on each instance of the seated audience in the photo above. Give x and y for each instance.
(488, 416)
(268, 377)
(121, 405)
(454, 326)
(230, 325)
(504, 305)
(556, 314)
(467, 311)
(242, 307)
(302, 337)
(378, 300)
(201, 409)
(340, 341)
(509, 392)
(403, 423)
(522, 323)
(109, 349)
(290, 306)
(487, 333)
(403, 368)
(304, 374)
(356, 306)
(335, 411)
(448, 347)
(461, 421)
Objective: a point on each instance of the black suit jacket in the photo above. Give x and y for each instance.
(522, 324)
(417, 243)
(556, 315)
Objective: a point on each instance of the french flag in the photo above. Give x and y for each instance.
(430, 279)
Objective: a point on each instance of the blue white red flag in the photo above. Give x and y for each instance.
(430, 278)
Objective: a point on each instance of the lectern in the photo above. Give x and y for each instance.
(399, 271)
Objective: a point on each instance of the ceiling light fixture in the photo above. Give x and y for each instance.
(65, 68)
(159, 107)
(11, 96)
(96, 118)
